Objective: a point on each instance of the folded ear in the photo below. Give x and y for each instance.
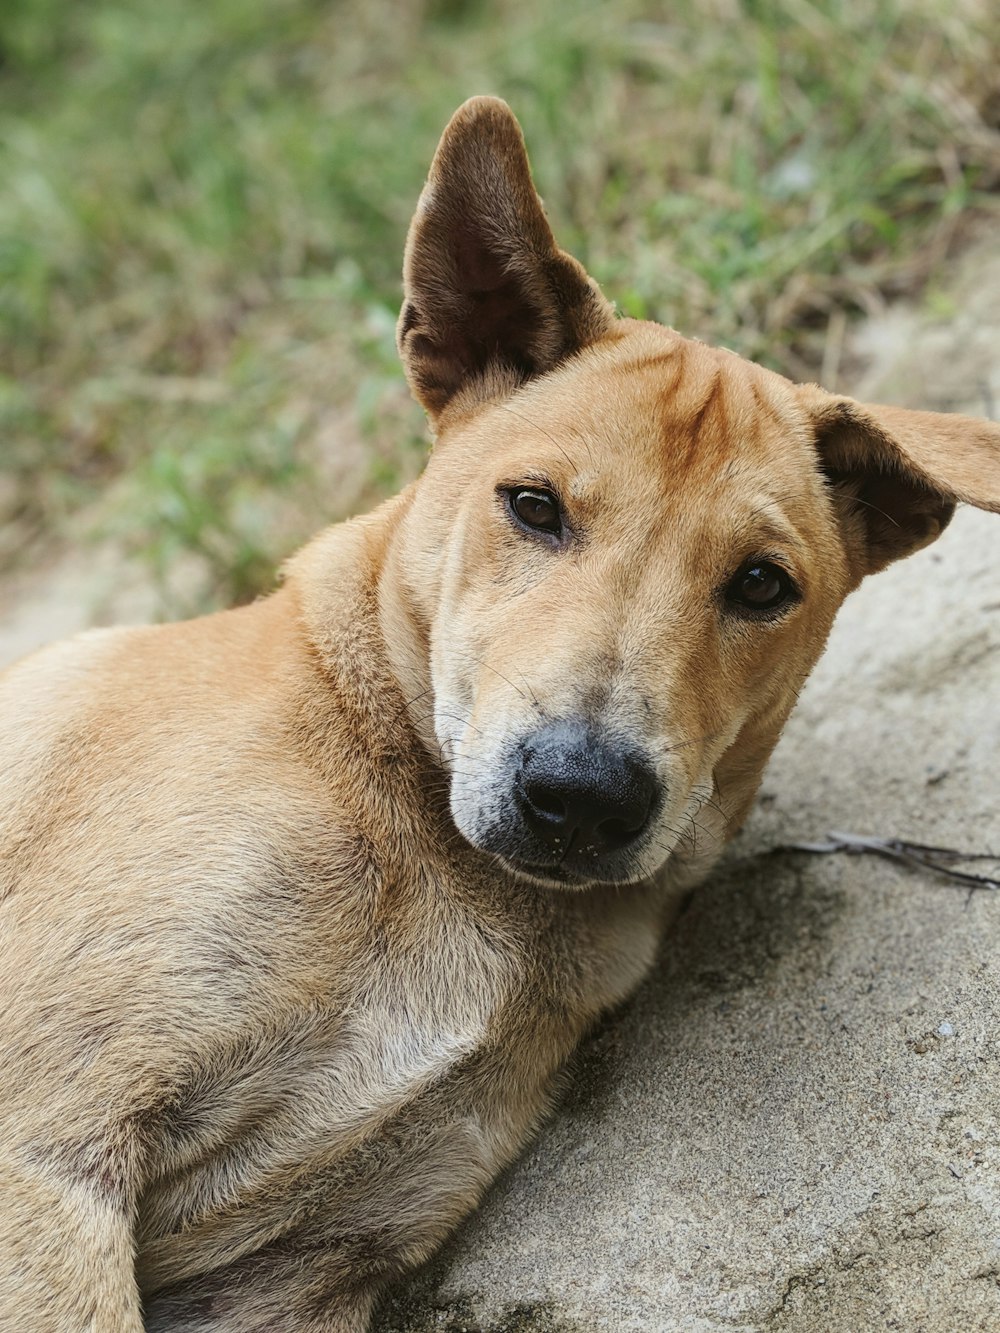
(489, 297)
(897, 474)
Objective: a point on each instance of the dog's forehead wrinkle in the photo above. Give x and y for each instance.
(680, 409)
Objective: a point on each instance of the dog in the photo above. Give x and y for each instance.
(304, 905)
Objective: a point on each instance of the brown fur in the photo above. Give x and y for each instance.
(274, 1010)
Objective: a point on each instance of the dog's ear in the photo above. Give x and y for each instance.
(897, 474)
(488, 294)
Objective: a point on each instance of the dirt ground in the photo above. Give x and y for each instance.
(796, 1124)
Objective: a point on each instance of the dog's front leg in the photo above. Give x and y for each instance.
(66, 1255)
(260, 1298)
(349, 1319)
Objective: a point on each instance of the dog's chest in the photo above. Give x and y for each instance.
(386, 1113)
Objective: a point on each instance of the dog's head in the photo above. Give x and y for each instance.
(628, 548)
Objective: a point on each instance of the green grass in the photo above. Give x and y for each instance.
(203, 208)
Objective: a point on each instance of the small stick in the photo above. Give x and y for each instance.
(918, 854)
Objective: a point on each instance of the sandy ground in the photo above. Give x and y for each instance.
(796, 1124)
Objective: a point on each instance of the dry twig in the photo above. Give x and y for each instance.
(920, 855)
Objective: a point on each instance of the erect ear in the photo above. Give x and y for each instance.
(897, 474)
(489, 297)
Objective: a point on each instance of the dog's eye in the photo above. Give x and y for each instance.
(761, 586)
(536, 509)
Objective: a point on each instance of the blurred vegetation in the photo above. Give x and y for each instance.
(203, 207)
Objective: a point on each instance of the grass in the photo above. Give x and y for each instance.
(203, 210)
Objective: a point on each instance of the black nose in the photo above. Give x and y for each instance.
(582, 795)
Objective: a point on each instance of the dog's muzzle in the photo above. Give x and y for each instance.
(580, 804)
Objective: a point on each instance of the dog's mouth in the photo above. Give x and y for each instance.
(572, 872)
(559, 876)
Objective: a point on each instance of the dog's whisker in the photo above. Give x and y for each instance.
(409, 704)
(535, 426)
(693, 740)
(490, 667)
(534, 696)
(433, 713)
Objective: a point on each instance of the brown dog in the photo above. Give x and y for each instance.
(304, 905)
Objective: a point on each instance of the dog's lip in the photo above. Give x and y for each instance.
(560, 875)
(556, 874)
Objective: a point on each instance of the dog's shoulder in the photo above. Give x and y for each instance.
(111, 700)
(135, 762)
(46, 700)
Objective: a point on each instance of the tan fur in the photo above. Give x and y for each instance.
(273, 1013)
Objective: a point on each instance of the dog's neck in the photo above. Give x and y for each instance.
(406, 635)
(371, 653)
